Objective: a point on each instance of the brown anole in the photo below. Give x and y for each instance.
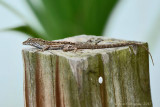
(69, 46)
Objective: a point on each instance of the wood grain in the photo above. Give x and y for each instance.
(55, 78)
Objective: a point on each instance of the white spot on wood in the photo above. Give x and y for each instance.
(100, 80)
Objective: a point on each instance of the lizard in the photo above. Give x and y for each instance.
(69, 46)
(46, 45)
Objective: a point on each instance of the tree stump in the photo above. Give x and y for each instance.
(110, 77)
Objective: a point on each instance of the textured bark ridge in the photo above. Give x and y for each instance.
(55, 78)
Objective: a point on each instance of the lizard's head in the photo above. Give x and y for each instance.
(34, 41)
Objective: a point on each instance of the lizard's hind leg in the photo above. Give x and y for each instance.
(94, 41)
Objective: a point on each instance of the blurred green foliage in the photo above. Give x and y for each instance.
(63, 18)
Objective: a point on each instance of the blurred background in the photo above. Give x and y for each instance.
(56, 19)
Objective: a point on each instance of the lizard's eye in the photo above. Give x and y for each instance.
(29, 39)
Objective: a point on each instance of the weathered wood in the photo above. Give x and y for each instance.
(55, 78)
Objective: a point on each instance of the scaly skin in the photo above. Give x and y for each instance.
(52, 45)
(69, 46)
(46, 45)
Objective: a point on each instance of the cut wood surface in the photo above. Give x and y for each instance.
(54, 78)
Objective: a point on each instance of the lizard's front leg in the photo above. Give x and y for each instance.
(69, 48)
(43, 49)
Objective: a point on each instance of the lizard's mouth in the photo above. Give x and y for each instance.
(24, 43)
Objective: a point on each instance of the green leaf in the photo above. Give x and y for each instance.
(25, 29)
(61, 18)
